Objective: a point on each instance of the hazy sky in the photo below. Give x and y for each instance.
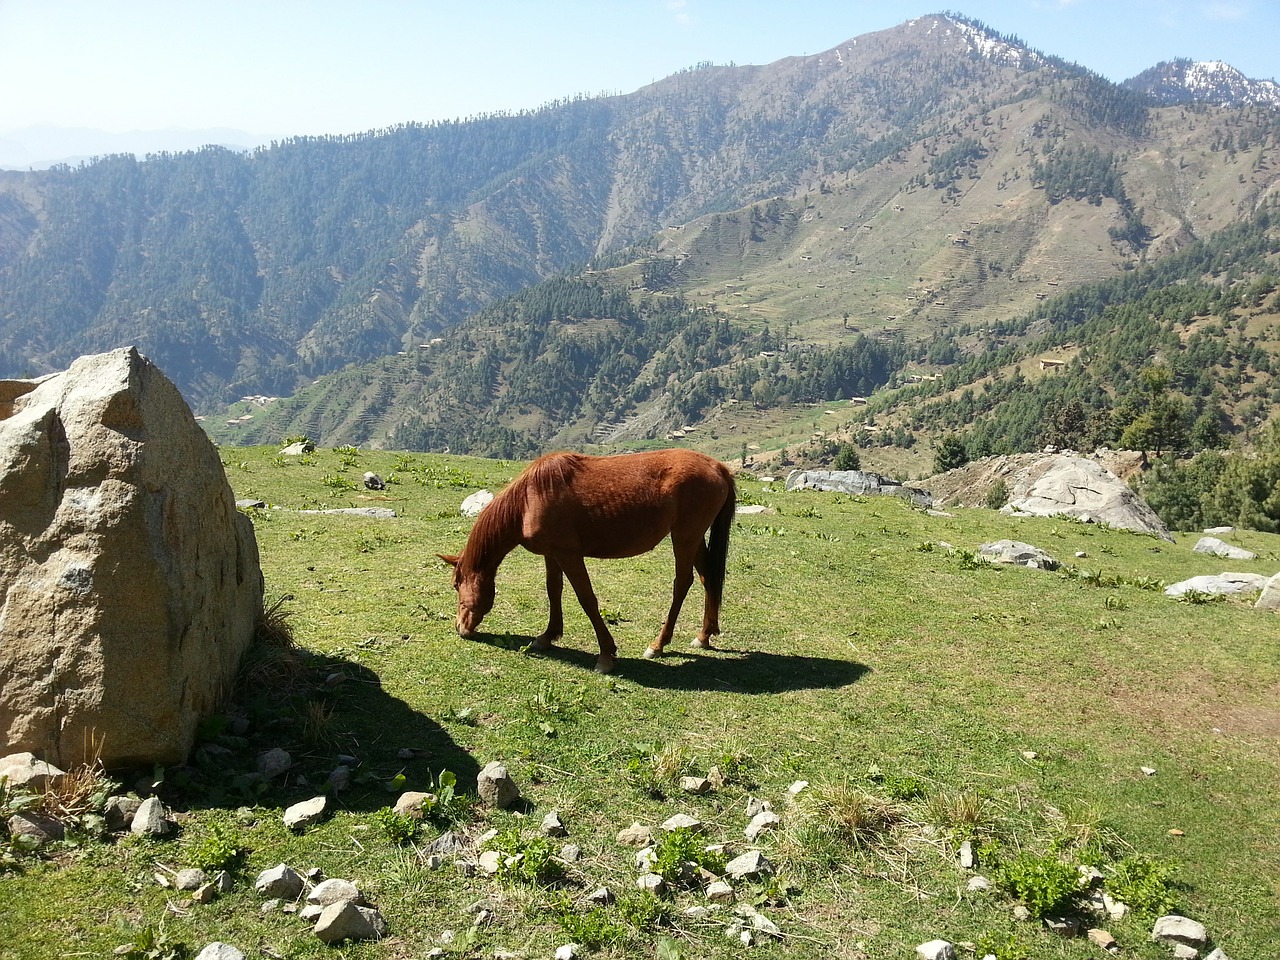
(278, 68)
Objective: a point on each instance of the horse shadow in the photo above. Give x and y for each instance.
(732, 669)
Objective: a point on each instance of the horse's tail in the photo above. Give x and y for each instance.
(718, 543)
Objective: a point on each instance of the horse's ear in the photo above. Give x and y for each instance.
(450, 559)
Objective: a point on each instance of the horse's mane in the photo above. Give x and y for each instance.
(485, 546)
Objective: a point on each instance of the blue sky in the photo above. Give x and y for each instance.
(276, 68)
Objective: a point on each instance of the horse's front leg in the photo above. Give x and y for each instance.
(555, 621)
(684, 554)
(576, 570)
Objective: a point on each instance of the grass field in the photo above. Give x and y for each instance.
(925, 697)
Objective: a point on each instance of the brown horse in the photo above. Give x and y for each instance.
(567, 506)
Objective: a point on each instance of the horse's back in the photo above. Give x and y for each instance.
(621, 505)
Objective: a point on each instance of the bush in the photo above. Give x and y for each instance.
(1044, 884)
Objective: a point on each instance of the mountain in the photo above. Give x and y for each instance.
(854, 207)
(38, 148)
(1176, 82)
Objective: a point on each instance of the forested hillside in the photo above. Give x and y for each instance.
(903, 183)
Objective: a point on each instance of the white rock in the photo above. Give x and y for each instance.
(151, 819)
(749, 865)
(570, 951)
(280, 882)
(762, 821)
(335, 891)
(346, 921)
(719, 892)
(474, 504)
(1176, 929)
(682, 821)
(1218, 548)
(219, 951)
(936, 950)
(24, 770)
(302, 815)
(651, 882)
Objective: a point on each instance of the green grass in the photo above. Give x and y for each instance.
(926, 700)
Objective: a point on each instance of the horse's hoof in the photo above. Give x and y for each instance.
(650, 653)
(700, 643)
(604, 666)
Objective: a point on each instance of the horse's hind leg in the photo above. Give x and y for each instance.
(555, 592)
(685, 554)
(710, 604)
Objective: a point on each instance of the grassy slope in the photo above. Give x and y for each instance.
(846, 646)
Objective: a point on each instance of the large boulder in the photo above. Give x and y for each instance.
(1083, 489)
(129, 583)
(858, 483)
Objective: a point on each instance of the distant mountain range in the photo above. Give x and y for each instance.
(38, 148)
(891, 198)
(1187, 81)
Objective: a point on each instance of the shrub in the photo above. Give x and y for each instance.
(1044, 884)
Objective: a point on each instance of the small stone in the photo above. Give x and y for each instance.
(1020, 912)
(346, 921)
(571, 853)
(601, 896)
(222, 882)
(719, 892)
(1175, 832)
(274, 762)
(24, 770)
(374, 482)
(646, 858)
(339, 780)
(490, 862)
(762, 821)
(205, 893)
(978, 885)
(269, 906)
(749, 865)
(755, 805)
(966, 855)
(1175, 929)
(119, 812)
(1217, 954)
(1115, 910)
(219, 951)
(763, 924)
(652, 883)
(496, 787)
(552, 825)
(570, 951)
(695, 785)
(281, 882)
(797, 787)
(335, 891)
(1102, 939)
(36, 827)
(304, 814)
(190, 879)
(162, 881)
(409, 803)
(936, 950)
(635, 835)
(311, 913)
(151, 820)
(1148, 771)
(1029, 755)
(1184, 951)
(682, 821)
(1063, 926)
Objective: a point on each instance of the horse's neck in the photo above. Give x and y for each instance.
(496, 533)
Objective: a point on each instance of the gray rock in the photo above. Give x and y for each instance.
(409, 803)
(571, 853)
(695, 785)
(132, 584)
(1219, 585)
(636, 835)
(755, 805)
(1019, 554)
(333, 891)
(553, 826)
(304, 814)
(250, 503)
(749, 866)
(601, 896)
(475, 503)
(1175, 929)
(719, 892)
(339, 780)
(24, 770)
(190, 879)
(1217, 548)
(219, 951)
(35, 827)
(151, 820)
(1270, 598)
(652, 883)
(936, 950)
(857, 482)
(280, 882)
(373, 513)
(274, 762)
(119, 811)
(762, 821)
(299, 448)
(374, 482)
(496, 787)
(682, 821)
(1219, 531)
(347, 921)
(1063, 485)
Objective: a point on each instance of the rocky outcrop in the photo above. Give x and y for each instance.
(129, 583)
(858, 483)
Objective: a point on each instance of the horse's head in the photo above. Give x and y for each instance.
(475, 595)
